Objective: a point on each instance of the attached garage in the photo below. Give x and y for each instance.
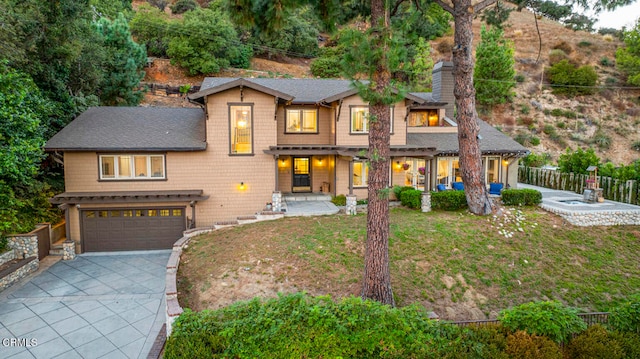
(128, 220)
(105, 230)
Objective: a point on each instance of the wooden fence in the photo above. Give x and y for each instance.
(613, 189)
(589, 318)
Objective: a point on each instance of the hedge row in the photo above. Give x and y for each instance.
(299, 326)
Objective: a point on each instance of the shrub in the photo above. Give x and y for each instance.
(299, 326)
(534, 160)
(604, 61)
(151, 27)
(635, 146)
(326, 67)
(572, 81)
(525, 346)
(534, 140)
(397, 190)
(549, 318)
(521, 197)
(411, 198)
(519, 78)
(630, 343)
(448, 200)
(577, 161)
(564, 46)
(182, 6)
(549, 129)
(339, 200)
(584, 43)
(556, 56)
(595, 343)
(524, 109)
(601, 139)
(626, 317)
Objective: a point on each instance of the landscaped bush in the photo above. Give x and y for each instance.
(521, 197)
(596, 342)
(626, 317)
(550, 319)
(523, 345)
(448, 200)
(4, 244)
(339, 200)
(397, 190)
(411, 198)
(299, 326)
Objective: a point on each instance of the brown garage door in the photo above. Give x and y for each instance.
(129, 229)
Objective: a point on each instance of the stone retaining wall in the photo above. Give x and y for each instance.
(7, 257)
(599, 218)
(19, 273)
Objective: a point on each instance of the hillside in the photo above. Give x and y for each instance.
(608, 121)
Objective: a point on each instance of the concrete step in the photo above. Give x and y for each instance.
(56, 252)
(307, 197)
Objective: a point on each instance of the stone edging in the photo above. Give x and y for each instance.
(173, 308)
(597, 218)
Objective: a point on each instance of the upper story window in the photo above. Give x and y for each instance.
(301, 121)
(360, 119)
(424, 118)
(240, 127)
(132, 167)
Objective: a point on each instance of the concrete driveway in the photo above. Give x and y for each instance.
(97, 306)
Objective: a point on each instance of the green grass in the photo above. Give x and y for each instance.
(521, 257)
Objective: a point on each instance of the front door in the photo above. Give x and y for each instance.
(301, 174)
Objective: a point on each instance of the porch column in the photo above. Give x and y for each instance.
(351, 205)
(275, 158)
(426, 201)
(276, 201)
(351, 176)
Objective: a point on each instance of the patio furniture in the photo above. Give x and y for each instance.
(441, 187)
(458, 186)
(495, 188)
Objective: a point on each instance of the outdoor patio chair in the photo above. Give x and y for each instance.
(441, 187)
(495, 188)
(458, 186)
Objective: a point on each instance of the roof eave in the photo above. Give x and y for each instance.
(200, 95)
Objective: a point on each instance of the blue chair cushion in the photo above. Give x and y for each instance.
(495, 188)
(458, 186)
(441, 187)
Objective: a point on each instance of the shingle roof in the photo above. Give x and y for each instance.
(492, 141)
(133, 129)
(300, 90)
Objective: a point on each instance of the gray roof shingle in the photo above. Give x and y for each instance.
(493, 141)
(133, 129)
(303, 91)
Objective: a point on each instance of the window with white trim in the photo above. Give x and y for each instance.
(241, 121)
(360, 119)
(132, 167)
(360, 174)
(302, 121)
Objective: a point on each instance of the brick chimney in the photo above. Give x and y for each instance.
(442, 89)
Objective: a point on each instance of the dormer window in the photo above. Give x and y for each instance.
(424, 118)
(301, 121)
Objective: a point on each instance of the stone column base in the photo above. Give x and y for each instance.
(68, 250)
(351, 204)
(426, 201)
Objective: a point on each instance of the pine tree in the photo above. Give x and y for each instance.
(124, 64)
(494, 73)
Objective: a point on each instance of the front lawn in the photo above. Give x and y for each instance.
(459, 265)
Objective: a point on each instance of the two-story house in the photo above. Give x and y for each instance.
(137, 177)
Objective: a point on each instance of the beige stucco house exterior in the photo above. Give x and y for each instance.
(137, 177)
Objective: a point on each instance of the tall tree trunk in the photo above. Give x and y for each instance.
(377, 278)
(468, 128)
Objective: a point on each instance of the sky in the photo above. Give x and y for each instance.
(623, 16)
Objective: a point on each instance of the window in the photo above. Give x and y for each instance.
(241, 121)
(128, 167)
(448, 170)
(302, 121)
(493, 169)
(360, 174)
(426, 118)
(360, 119)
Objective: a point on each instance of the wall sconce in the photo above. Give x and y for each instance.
(398, 164)
(320, 161)
(505, 163)
(242, 187)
